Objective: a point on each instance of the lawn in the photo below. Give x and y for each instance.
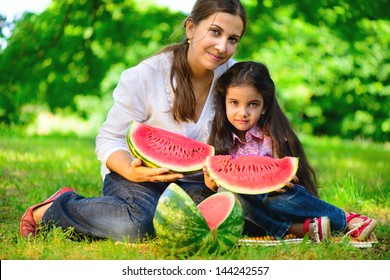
(354, 175)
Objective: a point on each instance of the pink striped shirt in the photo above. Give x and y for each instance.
(257, 144)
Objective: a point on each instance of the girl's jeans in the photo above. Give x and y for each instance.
(275, 212)
(125, 211)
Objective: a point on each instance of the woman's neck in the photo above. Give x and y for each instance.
(201, 88)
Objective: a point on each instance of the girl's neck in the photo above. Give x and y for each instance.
(241, 135)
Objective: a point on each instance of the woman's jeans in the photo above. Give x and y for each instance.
(275, 212)
(125, 211)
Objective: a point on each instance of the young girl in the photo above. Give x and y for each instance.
(249, 121)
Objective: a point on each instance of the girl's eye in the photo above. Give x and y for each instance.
(234, 103)
(253, 105)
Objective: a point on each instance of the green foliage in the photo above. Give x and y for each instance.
(330, 59)
(72, 48)
(32, 168)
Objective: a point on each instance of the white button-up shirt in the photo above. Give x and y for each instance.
(144, 94)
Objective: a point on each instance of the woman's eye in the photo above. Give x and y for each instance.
(233, 40)
(214, 31)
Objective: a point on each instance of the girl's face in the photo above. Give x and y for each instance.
(244, 106)
(213, 41)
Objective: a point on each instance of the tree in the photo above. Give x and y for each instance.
(330, 59)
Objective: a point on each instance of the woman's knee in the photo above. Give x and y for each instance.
(134, 230)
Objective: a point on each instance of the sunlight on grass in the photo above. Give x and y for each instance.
(354, 175)
(335, 160)
(47, 123)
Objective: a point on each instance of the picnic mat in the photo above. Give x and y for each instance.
(288, 239)
(292, 239)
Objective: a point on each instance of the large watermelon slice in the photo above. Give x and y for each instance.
(216, 224)
(161, 148)
(251, 174)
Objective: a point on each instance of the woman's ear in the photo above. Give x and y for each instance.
(189, 28)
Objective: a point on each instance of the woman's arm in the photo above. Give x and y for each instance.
(133, 170)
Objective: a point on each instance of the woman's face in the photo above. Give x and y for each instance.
(213, 41)
(244, 106)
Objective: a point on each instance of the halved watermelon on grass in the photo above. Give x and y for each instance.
(216, 224)
(251, 174)
(161, 148)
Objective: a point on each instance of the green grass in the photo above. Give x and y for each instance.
(353, 175)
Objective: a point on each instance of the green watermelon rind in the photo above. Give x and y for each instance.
(173, 208)
(135, 154)
(228, 184)
(158, 162)
(179, 224)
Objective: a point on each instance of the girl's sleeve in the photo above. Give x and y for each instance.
(130, 101)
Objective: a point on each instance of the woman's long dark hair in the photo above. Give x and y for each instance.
(273, 123)
(184, 103)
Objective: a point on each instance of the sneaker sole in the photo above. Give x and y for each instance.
(325, 228)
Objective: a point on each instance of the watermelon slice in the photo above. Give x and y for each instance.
(161, 148)
(215, 225)
(251, 174)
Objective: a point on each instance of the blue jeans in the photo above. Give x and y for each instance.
(275, 212)
(125, 211)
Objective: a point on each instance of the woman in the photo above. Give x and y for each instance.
(173, 90)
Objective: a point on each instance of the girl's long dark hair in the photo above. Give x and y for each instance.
(184, 103)
(273, 123)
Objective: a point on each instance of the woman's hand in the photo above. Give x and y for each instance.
(140, 173)
(134, 170)
(209, 181)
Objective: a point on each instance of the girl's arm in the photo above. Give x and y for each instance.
(209, 181)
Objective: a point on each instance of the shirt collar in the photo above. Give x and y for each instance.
(254, 132)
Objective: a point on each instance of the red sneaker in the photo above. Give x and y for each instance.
(320, 230)
(363, 229)
(27, 223)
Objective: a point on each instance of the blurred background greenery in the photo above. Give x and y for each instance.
(329, 59)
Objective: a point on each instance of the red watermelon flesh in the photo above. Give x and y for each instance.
(161, 148)
(251, 174)
(216, 208)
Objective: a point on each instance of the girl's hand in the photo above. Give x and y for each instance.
(140, 173)
(288, 184)
(209, 181)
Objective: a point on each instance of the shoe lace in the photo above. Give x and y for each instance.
(357, 226)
